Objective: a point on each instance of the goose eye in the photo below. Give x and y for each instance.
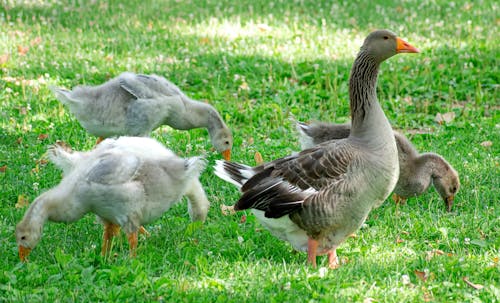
(227, 142)
(23, 238)
(385, 37)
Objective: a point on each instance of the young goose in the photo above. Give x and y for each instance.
(135, 105)
(416, 171)
(126, 182)
(316, 198)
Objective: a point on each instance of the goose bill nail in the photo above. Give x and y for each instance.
(24, 252)
(405, 47)
(226, 154)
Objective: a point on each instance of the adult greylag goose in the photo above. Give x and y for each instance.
(416, 171)
(134, 105)
(126, 182)
(316, 198)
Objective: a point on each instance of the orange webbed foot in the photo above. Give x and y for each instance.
(333, 260)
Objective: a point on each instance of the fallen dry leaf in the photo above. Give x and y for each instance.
(22, 50)
(431, 254)
(486, 143)
(22, 202)
(4, 58)
(3, 168)
(258, 158)
(473, 285)
(36, 41)
(42, 136)
(369, 300)
(444, 118)
(399, 240)
(42, 161)
(243, 219)
(227, 209)
(421, 275)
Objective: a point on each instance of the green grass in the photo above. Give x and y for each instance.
(294, 57)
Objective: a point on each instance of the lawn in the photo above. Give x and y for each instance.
(258, 62)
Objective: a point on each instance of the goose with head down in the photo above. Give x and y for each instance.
(134, 105)
(318, 197)
(416, 171)
(126, 182)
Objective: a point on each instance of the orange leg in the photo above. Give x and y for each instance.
(132, 243)
(312, 248)
(110, 230)
(333, 261)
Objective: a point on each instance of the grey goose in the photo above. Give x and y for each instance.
(126, 182)
(134, 105)
(316, 198)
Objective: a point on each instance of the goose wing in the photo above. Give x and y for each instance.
(148, 86)
(303, 180)
(113, 168)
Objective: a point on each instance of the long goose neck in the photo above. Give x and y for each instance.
(363, 93)
(38, 212)
(432, 165)
(197, 115)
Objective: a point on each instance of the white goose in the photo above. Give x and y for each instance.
(416, 171)
(316, 198)
(126, 182)
(135, 105)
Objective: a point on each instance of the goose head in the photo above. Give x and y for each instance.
(447, 184)
(383, 44)
(27, 237)
(222, 140)
(220, 134)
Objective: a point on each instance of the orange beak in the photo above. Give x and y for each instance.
(405, 47)
(23, 253)
(226, 154)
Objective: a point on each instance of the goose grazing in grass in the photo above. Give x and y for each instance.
(126, 182)
(416, 171)
(135, 105)
(316, 198)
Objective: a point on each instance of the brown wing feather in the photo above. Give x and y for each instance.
(278, 188)
(315, 167)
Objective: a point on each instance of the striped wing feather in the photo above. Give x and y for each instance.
(280, 187)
